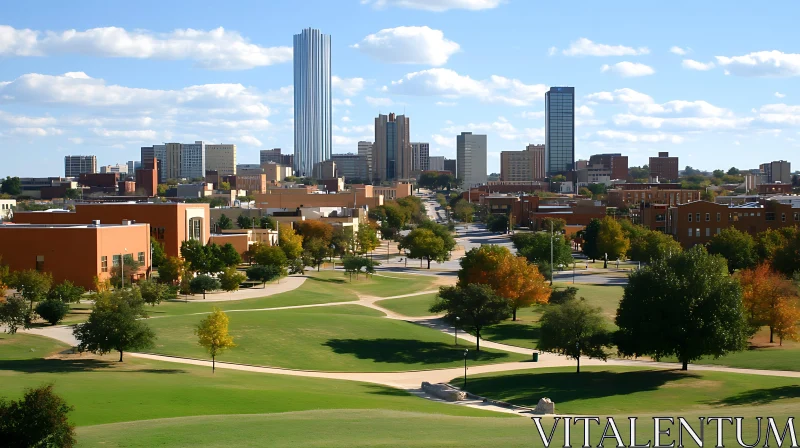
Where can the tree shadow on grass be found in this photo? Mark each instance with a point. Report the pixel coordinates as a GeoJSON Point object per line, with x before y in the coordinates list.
{"type": "Point", "coordinates": [54, 365]}
{"type": "Point", "coordinates": [377, 389]}
{"type": "Point", "coordinates": [562, 387]}
{"type": "Point", "coordinates": [407, 351]}
{"type": "Point", "coordinates": [760, 396]}
{"type": "Point", "coordinates": [338, 281]}
{"type": "Point", "coordinates": [511, 331]}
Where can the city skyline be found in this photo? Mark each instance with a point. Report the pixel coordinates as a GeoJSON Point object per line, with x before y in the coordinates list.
{"type": "Point", "coordinates": [641, 89]}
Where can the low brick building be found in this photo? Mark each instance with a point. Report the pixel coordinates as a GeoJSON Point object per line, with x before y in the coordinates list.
{"type": "Point", "coordinates": [630, 197]}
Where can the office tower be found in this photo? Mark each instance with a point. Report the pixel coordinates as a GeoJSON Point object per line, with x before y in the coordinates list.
{"type": "Point", "coordinates": [664, 167]}
{"type": "Point", "coordinates": [616, 163]}
{"type": "Point", "coordinates": [365, 150]}
{"type": "Point", "coordinates": [436, 163]}
{"type": "Point", "coordinates": [559, 129]}
{"type": "Point", "coordinates": [270, 155]}
{"type": "Point", "coordinates": [420, 152]}
{"type": "Point", "coordinates": [133, 165]}
{"type": "Point", "coordinates": [351, 166]}
{"type": "Point", "coordinates": [312, 100]}
{"type": "Point", "coordinates": [74, 166]}
{"type": "Point", "coordinates": [193, 160]}
{"type": "Point", "coordinates": [471, 159]}
{"type": "Point", "coordinates": [121, 169]}
{"type": "Point", "coordinates": [778, 171]}
{"type": "Point", "coordinates": [391, 152]}
{"type": "Point", "coordinates": [222, 159]}
{"type": "Point", "coordinates": [523, 166]}
{"type": "Point", "coordinates": [172, 163]}
{"type": "Point", "coordinates": [287, 160]}
{"type": "Point", "coordinates": [451, 165]}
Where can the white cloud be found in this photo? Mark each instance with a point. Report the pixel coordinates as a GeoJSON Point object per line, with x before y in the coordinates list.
{"type": "Point", "coordinates": [348, 86]}
{"type": "Point", "coordinates": [446, 103]}
{"type": "Point", "coordinates": [635, 138]}
{"type": "Point", "coordinates": [552, 51]}
{"type": "Point", "coordinates": [449, 84]}
{"type": "Point", "coordinates": [435, 5]}
{"type": "Point", "coordinates": [780, 114]}
{"type": "Point", "coordinates": [699, 123]}
{"type": "Point", "coordinates": [691, 64]}
{"type": "Point", "coordinates": [677, 50]}
{"type": "Point", "coordinates": [583, 111]}
{"type": "Point", "coordinates": [36, 132]}
{"type": "Point", "coordinates": [585, 47]}
{"type": "Point", "coordinates": [533, 115]}
{"type": "Point", "coordinates": [378, 102]}
{"type": "Point", "coordinates": [695, 108]}
{"type": "Point", "coordinates": [344, 102]}
{"type": "Point", "coordinates": [216, 49]}
{"type": "Point", "coordinates": [447, 142]}
{"type": "Point", "coordinates": [248, 140]}
{"type": "Point", "coordinates": [346, 119]}
{"type": "Point", "coordinates": [135, 135]}
{"type": "Point", "coordinates": [283, 95]}
{"type": "Point", "coordinates": [780, 95]}
{"type": "Point", "coordinates": [76, 140]}
{"type": "Point", "coordinates": [409, 45]}
{"type": "Point", "coordinates": [625, 95]}
{"type": "Point", "coordinates": [763, 64]}
{"type": "Point", "coordinates": [628, 69]}
{"type": "Point", "coordinates": [365, 129]}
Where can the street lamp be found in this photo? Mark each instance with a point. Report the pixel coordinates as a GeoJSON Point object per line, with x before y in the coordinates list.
{"type": "Point", "coordinates": [457, 319]}
{"type": "Point", "coordinates": [122, 268]}
{"type": "Point", "coordinates": [466, 351]}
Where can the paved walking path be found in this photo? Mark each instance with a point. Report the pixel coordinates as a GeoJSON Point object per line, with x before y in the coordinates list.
{"type": "Point", "coordinates": [284, 285]}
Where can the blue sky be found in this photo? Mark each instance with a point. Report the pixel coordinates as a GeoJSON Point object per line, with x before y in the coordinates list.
{"type": "Point", "coordinates": [714, 83]}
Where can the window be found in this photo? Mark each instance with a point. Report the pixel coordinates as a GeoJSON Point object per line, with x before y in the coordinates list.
{"type": "Point", "coordinates": [690, 231]}
{"type": "Point", "coordinates": [770, 216]}
{"type": "Point", "coordinates": [195, 229]}
{"type": "Point", "coordinates": [690, 217]}
{"type": "Point", "coordinates": [730, 216]}
{"type": "Point", "coordinates": [104, 264]}
{"type": "Point", "coordinates": [116, 260]}
{"type": "Point", "coordinates": [783, 217]}
{"type": "Point", "coordinates": [141, 257]}
{"type": "Point", "coordinates": [697, 232]}
{"type": "Point", "coordinates": [708, 217]}
{"type": "Point", "coordinates": [40, 263]}
{"type": "Point", "coordinates": [796, 216]}
{"type": "Point", "coordinates": [697, 216]}
{"type": "Point", "coordinates": [708, 231]}
{"type": "Point", "coordinates": [719, 216]}
{"type": "Point", "coordinates": [718, 231]}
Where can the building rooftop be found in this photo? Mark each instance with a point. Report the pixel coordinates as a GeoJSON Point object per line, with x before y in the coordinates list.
{"type": "Point", "coordinates": [11, 225]}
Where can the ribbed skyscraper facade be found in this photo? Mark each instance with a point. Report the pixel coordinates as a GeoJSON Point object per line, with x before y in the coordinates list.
{"type": "Point", "coordinates": [559, 130]}
{"type": "Point", "coordinates": [312, 100]}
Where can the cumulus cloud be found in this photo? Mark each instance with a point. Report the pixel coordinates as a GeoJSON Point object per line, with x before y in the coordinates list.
{"type": "Point", "coordinates": [635, 138]}
{"type": "Point", "coordinates": [435, 5]}
{"type": "Point", "coordinates": [217, 49]}
{"type": "Point", "coordinates": [762, 64]}
{"type": "Point", "coordinates": [691, 64]}
{"type": "Point", "coordinates": [446, 103]}
{"type": "Point", "coordinates": [133, 135]}
{"type": "Point", "coordinates": [678, 50]}
{"type": "Point", "coordinates": [780, 95]}
{"type": "Point", "coordinates": [441, 140]}
{"type": "Point", "coordinates": [585, 47]}
{"type": "Point", "coordinates": [628, 69]}
{"type": "Point", "coordinates": [780, 114]}
{"type": "Point", "coordinates": [696, 123]}
{"type": "Point", "coordinates": [625, 95]}
{"type": "Point", "coordinates": [348, 86]}
{"type": "Point", "coordinates": [378, 102]}
{"type": "Point", "coordinates": [248, 140]}
{"type": "Point", "coordinates": [409, 45]}
{"type": "Point", "coordinates": [583, 111]}
{"type": "Point", "coordinates": [448, 83]}
{"type": "Point", "coordinates": [344, 102]}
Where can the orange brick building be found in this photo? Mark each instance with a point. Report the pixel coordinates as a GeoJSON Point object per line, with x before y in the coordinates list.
{"type": "Point", "coordinates": [77, 253]}
{"type": "Point", "coordinates": [170, 223]}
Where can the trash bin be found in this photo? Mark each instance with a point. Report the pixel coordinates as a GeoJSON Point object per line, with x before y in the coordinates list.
{"type": "Point", "coordinates": [535, 357]}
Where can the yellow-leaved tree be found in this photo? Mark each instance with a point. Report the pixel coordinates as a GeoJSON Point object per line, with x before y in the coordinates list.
{"type": "Point", "coordinates": [612, 243]}
{"type": "Point", "coordinates": [772, 300]}
{"type": "Point", "coordinates": [212, 333]}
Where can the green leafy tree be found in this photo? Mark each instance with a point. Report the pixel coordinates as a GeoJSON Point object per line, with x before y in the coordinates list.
{"type": "Point", "coordinates": [38, 419]}
{"type": "Point", "coordinates": [560, 296]}
{"type": "Point", "coordinates": [229, 256]}
{"type": "Point", "coordinates": [356, 265]}
{"type": "Point", "coordinates": [424, 244]}
{"type": "Point", "coordinates": [115, 324]}
{"type": "Point", "coordinates": [475, 305]}
{"type": "Point", "coordinates": [202, 284]}
{"type": "Point", "coordinates": [442, 231]}
{"type": "Point", "coordinates": [366, 238]}
{"type": "Point", "coordinates": [244, 221]}
{"type": "Point", "coordinates": [769, 241]}
{"type": "Point", "coordinates": [264, 274]}
{"type": "Point", "coordinates": [685, 306]}
{"type": "Point", "coordinates": [15, 313]}
{"type": "Point", "coordinates": [535, 247]}
{"type": "Point", "coordinates": [611, 240]}
{"type": "Point", "coordinates": [66, 292]}
{"type": "Point", "coordinates": [464, 211]}
{"type": "Point", "coordinates": [290, 243]}
{"type": "Point", "coordinates": [317, 251]}
{"type": "Point", "coordinates": [32, 285]}
{"type": "Point", "coordinates": [786, 258]}
{"type": "Point", "coordinates": [230, 279]}
{"type": "Point", "coordinates": [11, 186]}
{"type": "Point", "coordinates": [224, 223]}
{"type": "Point", "coordinates": [170, 270]}
{"type": "Point", "coordinates": [126, 270]}
{"type": "Point", "coordinates": [343, 241]}
{"type": "Point", "coordinates": [225, 186]}
{"type": "Point", "coordinates": [159, 255]}
{"type": "Point", "coordinates": [558, 225]}
{"type": "Point", "coordinates": [497, 223]}
{"type": "Point", "coordinates": [589, 236]}
{"type": "Point", "coordinates": [574, 329]}
{"type": "Point", "coordinates": [52, 311]}
{"type": "Point", "coordinates": [267, 222]}
{"type": "Point", "coordinates": [269, 256]}
{"type": "Point", "coordinates": [195, 255]}
{"type": "Point", "coordinates": [737, 247]}
{"type": "Point", "coordinates": [154, 292]}
{"type": "Point", "coordinates": [651, 245]}
{"type": "Point", "coordinates": [212, 334]}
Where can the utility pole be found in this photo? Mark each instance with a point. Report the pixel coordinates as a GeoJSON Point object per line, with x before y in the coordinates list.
{"type": "Point", "coordinates": [551, 253]}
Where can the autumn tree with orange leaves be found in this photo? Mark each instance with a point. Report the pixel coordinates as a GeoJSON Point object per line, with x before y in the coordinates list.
{"type": "Point", "coordinates": [509, 276]}
{"type": "Point", "coordinates": [772, 300]}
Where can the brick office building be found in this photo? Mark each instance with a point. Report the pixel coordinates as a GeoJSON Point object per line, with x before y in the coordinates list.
{"type": "Point", "coordinates": [664, 167]}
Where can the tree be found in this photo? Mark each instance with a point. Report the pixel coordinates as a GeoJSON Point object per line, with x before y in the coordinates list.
{"type": "Point", "coordinates": [290, 243]}
{"type": "Point", "coordinates": [114, 324]}
{"type": "Point", "coordinates": [343, 241]}
{"type": "Point", "coordinates": [224, 223]}
{"type": "Point", "coordinates": [611, 240]}
{"type": "Point", "coordinates": [737, 247]}
{"type": "Point", "coordinates": [12, 186]}
{"type": "Point", "coordinates": [354, 265]}
{"type": "Point", "coordinates": [770, 299]}
{"type": "Point", "coordinates": [264, 273]}
{"type": "Point", "coordinates": [424, 244]}
{"type": "Point", "coordinates": [497, 223]}
{"type": "Point", "coordinates": [215, 258]}
{"type": "Point", "coordinates": [574, 329]}
{"type": "Point", "coordinates": [535, 247]}
{"type": "Point", "coordinates": [244, 221]}
{"type": "Point", "coordinates": [15, 313]}
{"type": "Point", "coordinates": [32, 285]}
{"type": "Point", "coordinates": [367, 238]}
{"type": "Point", "coordinates": [212, 334]}
{"type": "Point", "coordinates": [202, 284]}
{"type": "Point", "coordinates": [733, 171]}
{"type": "Point", "coordinates": [560, 296]}
{"type": "Point", "coordinates": [685, 306]}
{"type": "Point", "coordinates": [589, 247]}
{"type": "Point", "coordinates": [769, 241]}
{"type": "Point", "coordinates": [464, 211]}
{"type": "Point", "coordinates": [317, 250]}
{"type": "Point", "coordinates": [268, 256]}
{"type": "Point", "coordinates": [39, 419]}
{"type": "Point", "coordinates": [195, 255]}
{"type": "Point", "coordinates": [225, 186]}
{"type": "Point", "coordinates": [442, 231]}
{"type": "Point", "coordinates": [558, 225]}
{"type": "Point", "coordinates": [719, 174]}
{"type": "Point", "coordinates": [509, 276]}
{"type": "Point", "coordinates": [154, 292]}
{"type": "Point", "coordinates": [786, 259]}
{"type": "Point", "coordinates": [651, 245]}
{"type": "Point", "coordinates": [475, 305]}
{"type": "Point", "coordinates": [170, 270]}
{"type": "Point", "coordinates": [66, 292]}
{"type": "Point", "coordinates": [315, 229]}
{"type": "Point", "coordinates": [126, 270]}
{"type": "Point", "coordinates": [159, 256]}
{"type": "Point", "coordinates": [230, 279]}
{"type": "Point", "coordinates": [267, 223]}
{"type": "Point", "coordinates": [229, 256]}
{"type": "Point", "coordinates": [583, 191]}
{"type": "Point", "coordinates": [52, 311]}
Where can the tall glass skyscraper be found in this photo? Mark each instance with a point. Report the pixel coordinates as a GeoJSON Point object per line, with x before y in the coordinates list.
{"type": "Point", "coordinates": [559, 130]}
{"type": "Point", "coordinates": [312, 100]}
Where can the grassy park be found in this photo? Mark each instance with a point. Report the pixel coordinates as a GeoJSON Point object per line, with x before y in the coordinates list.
{"type": "Point", "coordinates": [412, 306]}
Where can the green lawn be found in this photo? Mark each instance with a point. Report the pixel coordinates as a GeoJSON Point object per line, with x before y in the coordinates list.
{"type": "Point", "coordinates": [525, 331]}
{"type": "Point", "coordinates": [601, 390]}
{"type": "Point", "coordinates": [105, 391]}
{"type": "Point", "coordinates": [381, 285]}
{"type": "Point", "coordinates": [332, 338]}
{"type": "Point", "coordinates": [413, 306]}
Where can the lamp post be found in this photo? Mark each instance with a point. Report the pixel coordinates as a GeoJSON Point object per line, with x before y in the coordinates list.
{"type": "Point", "coordinates": [551, 253]}
{"type": "Point", "coordinates": [466, 351]}
{"type": "Point", "coordinates": [122, 268]}
{"type": "Point", "coordinates": [457, 319]}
